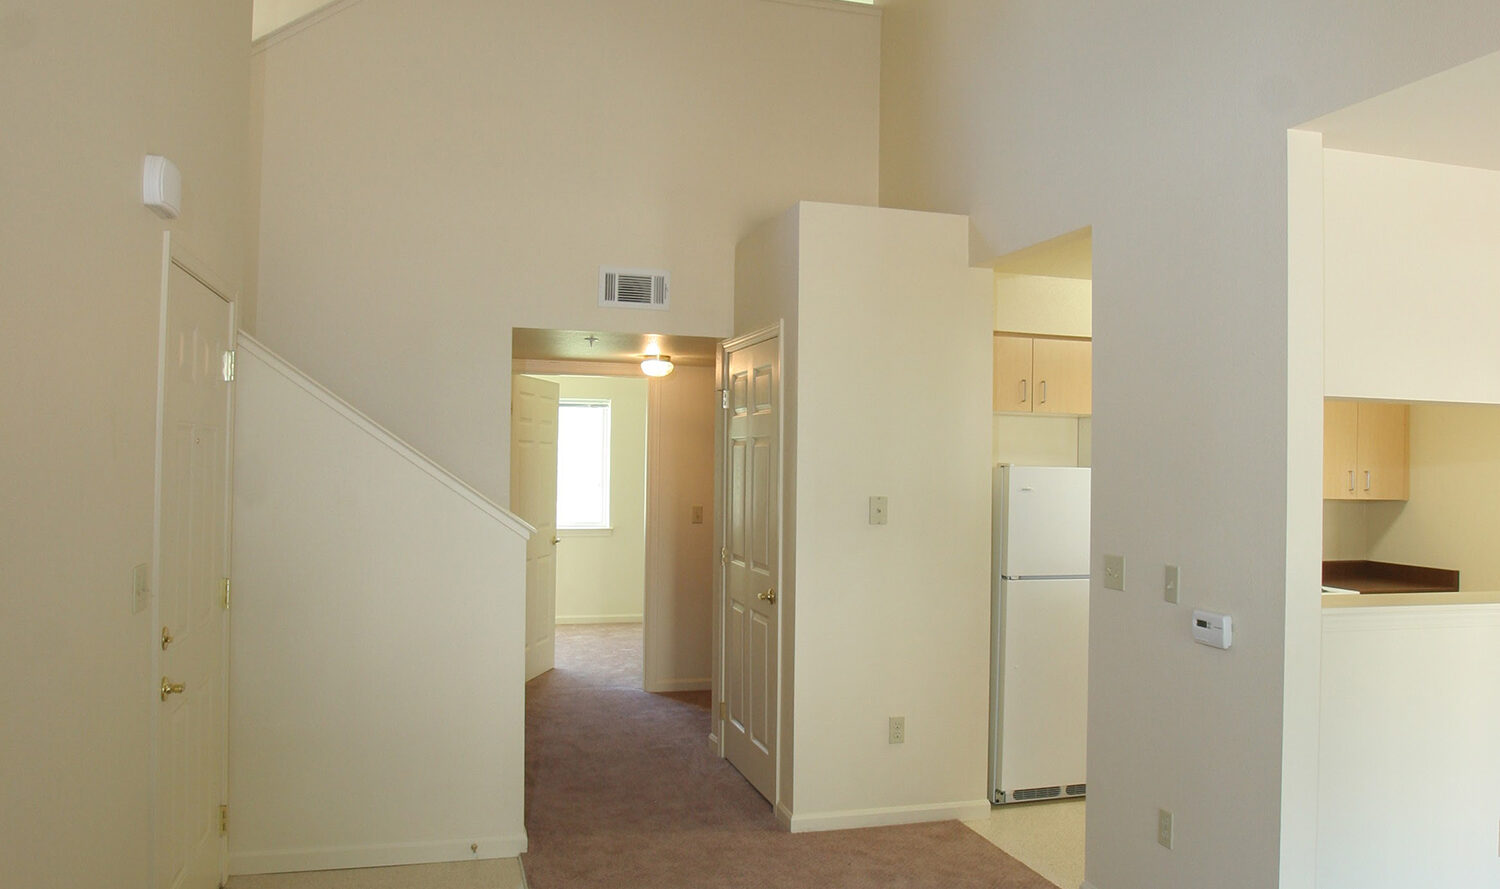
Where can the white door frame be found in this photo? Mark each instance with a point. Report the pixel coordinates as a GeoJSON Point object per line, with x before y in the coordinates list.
{"type": "Point", "coordinates": [721, 525]}
{"type": "Point", "coordinates": [175, 252]}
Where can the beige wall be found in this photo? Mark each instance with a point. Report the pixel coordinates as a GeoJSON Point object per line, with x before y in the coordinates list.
{"type": "Point", "coordinates": [376, 706]}
{"type": "Point", "coordinates": [1454, 510]}
{"type": "Point", "coordinates": [1164, 127]}
{"type": "Point", "coordinates": [893, 619]}
{"type": "Point", "coordinates": [681, 556]}
{"type": "Point", "coordinates": [601, 575]}
{"type": "Point", "coordinates": [1044, 304]}
{"type": "Point", "coordinates": [431, 181]}
{"type": "Point", "coordinates": [1412, 272]}
{"type": "Point", "coordinates": [90, 90]}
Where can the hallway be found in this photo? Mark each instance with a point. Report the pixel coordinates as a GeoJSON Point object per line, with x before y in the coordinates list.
{"type": "Point", "coordinates": [622, 790]}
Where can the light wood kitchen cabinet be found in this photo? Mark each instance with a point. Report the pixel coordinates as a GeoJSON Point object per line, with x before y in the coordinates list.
{"type": "Point", "coordinates": [1043, 375]}
{"type": "Point", "coordinates": [1365, 450]}
{"type": "Point", "coordinates": [1012, 373]}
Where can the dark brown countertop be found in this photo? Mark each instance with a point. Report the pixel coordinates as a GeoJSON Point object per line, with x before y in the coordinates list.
{"type": "Point", "coordinates": [1387, 577]}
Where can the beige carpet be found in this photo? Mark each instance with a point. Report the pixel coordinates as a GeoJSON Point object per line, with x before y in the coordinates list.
{"type": "Point", "coordinates": [622, 791]}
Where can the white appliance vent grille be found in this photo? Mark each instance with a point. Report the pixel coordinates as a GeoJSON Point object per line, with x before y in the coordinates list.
{"type": "Point", "coordinates": [1031, 793]}
{"type": "Point", "coordinates": [634, 288]}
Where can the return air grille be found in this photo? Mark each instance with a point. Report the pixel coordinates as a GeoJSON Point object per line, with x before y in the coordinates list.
{"type": "Point", "coordinates": [1031, 793]}
{"type": "Point", "coordinates": [633, 288]}
{"type": "Point", "coordinates": [1076, 789]}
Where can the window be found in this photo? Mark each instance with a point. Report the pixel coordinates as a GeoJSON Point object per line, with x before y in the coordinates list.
{"type": "Point", "coordinates": [583, 463]}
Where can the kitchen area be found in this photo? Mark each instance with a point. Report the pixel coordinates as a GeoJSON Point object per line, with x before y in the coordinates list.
{"type": "Point", "coordinates": [1406, 192]}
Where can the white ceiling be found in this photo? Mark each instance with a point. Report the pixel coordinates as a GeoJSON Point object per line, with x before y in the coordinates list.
{"type": "Point", "coordinates": [573, 345]}
{"type": "Point", "coordinates": [1449, 118]}
{"type": "Point", "coordinates": [1065, 256]}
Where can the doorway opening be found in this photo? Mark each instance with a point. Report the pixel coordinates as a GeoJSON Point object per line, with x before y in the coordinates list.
{"type": "Point", "coordinates": [634, 529]}
{"type": "Point", "coordinates": [1041, 444]}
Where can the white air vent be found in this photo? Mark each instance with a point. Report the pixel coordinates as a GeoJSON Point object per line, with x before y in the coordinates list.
{"type": "Point", "coordinates": [633, 288]}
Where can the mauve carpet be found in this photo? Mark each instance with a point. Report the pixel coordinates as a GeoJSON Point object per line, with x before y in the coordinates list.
{"type": "Point", "coordinates": [622, 791]}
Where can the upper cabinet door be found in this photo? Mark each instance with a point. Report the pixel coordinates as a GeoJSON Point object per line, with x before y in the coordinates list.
{"type": "Point", "coordinates": [1340, 449]}
{"type": "Point", "coordinates": [1383, 472]}
{"type": "Point", "coordinates": [1012, 373]}
{"type": "Point", "coordinates": [1063, 371]}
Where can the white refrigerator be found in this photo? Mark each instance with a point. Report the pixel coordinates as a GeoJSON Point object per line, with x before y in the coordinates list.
{"type": "Point", "coordinates": [1039, 633]}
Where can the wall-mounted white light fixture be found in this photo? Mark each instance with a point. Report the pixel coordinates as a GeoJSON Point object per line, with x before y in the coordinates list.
{"type": "Point", "coordinates": [161, 187]}
{"type": "Point", "coordinates": [657, 365]}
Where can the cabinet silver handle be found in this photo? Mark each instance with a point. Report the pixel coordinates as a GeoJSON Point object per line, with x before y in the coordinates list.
{"type": "Point", "coordinates": [1351, 481]}
{"type": "Point", "coordinates": [1367, 479]}
{"type": "Point", "coordinates": [1044, 392]}
{"type": "Point", "coordinates": [1023, 391]}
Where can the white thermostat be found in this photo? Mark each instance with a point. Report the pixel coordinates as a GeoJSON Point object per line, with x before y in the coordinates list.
{"type": "Point", "coordinates": [1212, 629]}
{"type": "Point", "coordinates": [161, 187]}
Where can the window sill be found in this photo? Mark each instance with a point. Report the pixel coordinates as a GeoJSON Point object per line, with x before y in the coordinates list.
{"type": "Point", "coordinates": [585, 532]}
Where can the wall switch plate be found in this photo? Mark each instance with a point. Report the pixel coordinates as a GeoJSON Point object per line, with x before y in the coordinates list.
{"type": "Point", "coordinates": [1114, 573]}
{"type": "Point", "coordinates": [897, 730]}
{"type": "Point", "coordinates": [140, 582]}
{"type": "Point", "coordinates": [1213, 629]}
{"type": "Point", "coordinates": [878, 510]}
{"type": "Point", "coordinates": [697, 515]}
{"type": "Point", "coordinates": [1171, 588]}
{"type": "Point", "coordinates": [1164, 827]}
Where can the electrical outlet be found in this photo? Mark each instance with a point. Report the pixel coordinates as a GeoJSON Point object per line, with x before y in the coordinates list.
{"type": "Point", "coordinates": [697, 515]}
{"type": "Point", "coordinates": [140, 583]}
{"type": "Point", "coordinates": [1114, 573]}
{"type": "Point", "coordinates": [878, 510]}
{"type": "Point", "coordinates": [897, 729]}
{"type": "Point", "coordinates": [1164, 827]}
{"type": "Point", "coordinates": [1171, 589]}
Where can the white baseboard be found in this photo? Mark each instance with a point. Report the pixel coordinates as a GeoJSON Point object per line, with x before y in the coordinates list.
{"type": "Point", "coordinates": [340, 857]}
{"type": "Point", "coordinates": [599, 619]}
{"type": "Point", "coordinates": [849, 818]}
{"type": "Point", "coordinates": [783, 816]}
{"type": "Point", "coordinates": [680, 685]}
{"type": "Point", "coordinates": [713, 743]}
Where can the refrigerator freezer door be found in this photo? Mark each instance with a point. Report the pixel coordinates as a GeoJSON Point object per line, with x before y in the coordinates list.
{"type": "Point", "coordinates": [1043, 686]}
{"type": "Point", "coordinates": [1045, 510]}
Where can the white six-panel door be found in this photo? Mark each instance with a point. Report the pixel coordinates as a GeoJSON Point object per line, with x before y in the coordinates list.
{"type": "Point", "coordinates": [193, 544]}
{"type": "Point", "coordinates": [533, 497]}
{"type": "Point", "coordinates": [753, 524]}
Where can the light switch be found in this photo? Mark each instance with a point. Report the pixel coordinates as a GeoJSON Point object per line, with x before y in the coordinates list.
{"type": "Point", "coordinates": [878, 510]}
{"type": "Point", "coordinates": [1114, 573]}
{"type": "Point", "coordinates": [697, 515]}
{"type": "Point", "coordinates": [1170, 588]}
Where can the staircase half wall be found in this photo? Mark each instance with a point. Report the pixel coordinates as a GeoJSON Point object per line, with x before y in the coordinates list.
{"type": "Point", "coordinates": [376, 643]}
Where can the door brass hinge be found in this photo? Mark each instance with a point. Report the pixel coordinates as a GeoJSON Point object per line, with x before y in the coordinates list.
{"type": "Point", "coordinates": [724, 555]}
{"type": "Point", "coordinates": [723, 712]}
{"type": "Point", "coordinates": [224, 585]}
{"type": "Point", "coordinates": [724, 399]}
{"type": "Point", "coordinates": [223, 820]}
{"type": "Point", "coordinates": [229, 366]}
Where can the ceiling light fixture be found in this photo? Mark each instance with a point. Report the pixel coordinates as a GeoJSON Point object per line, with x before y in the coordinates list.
{"type": "Point", "coordinates": [657, 365]}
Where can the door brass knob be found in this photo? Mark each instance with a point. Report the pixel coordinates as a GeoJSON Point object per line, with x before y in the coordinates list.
{"type": "Point", "coordinates": [168, 687]}
{"type": "Point", "coordinates": [556, 541]}
{"type": "Point", "coordinates": [166, 638]}
{"type": "Point", "coordinates": [768, 596]}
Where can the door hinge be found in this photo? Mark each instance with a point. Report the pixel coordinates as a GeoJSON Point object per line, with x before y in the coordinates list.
{"type": "Point", "coordinates": [723, 711]}
{"type": "Point", "coordinates": [223, 820]}
{"type": "Point", "coordinates": [224, 587]}
{"type": "Point", "coordinates": [724, 555]}
{"type": "Point", "coordinates": [724, 399]}
{"type": "Point", "coordinates": [229, 366]}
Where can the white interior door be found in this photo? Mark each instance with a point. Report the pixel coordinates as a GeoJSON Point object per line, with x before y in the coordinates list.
{"type": "Point", "coordinates": [533, 497]}
{"type": "Point", "coordinates": [192, 540]}
{"type": "Point", "coordinates": [753, 523]}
